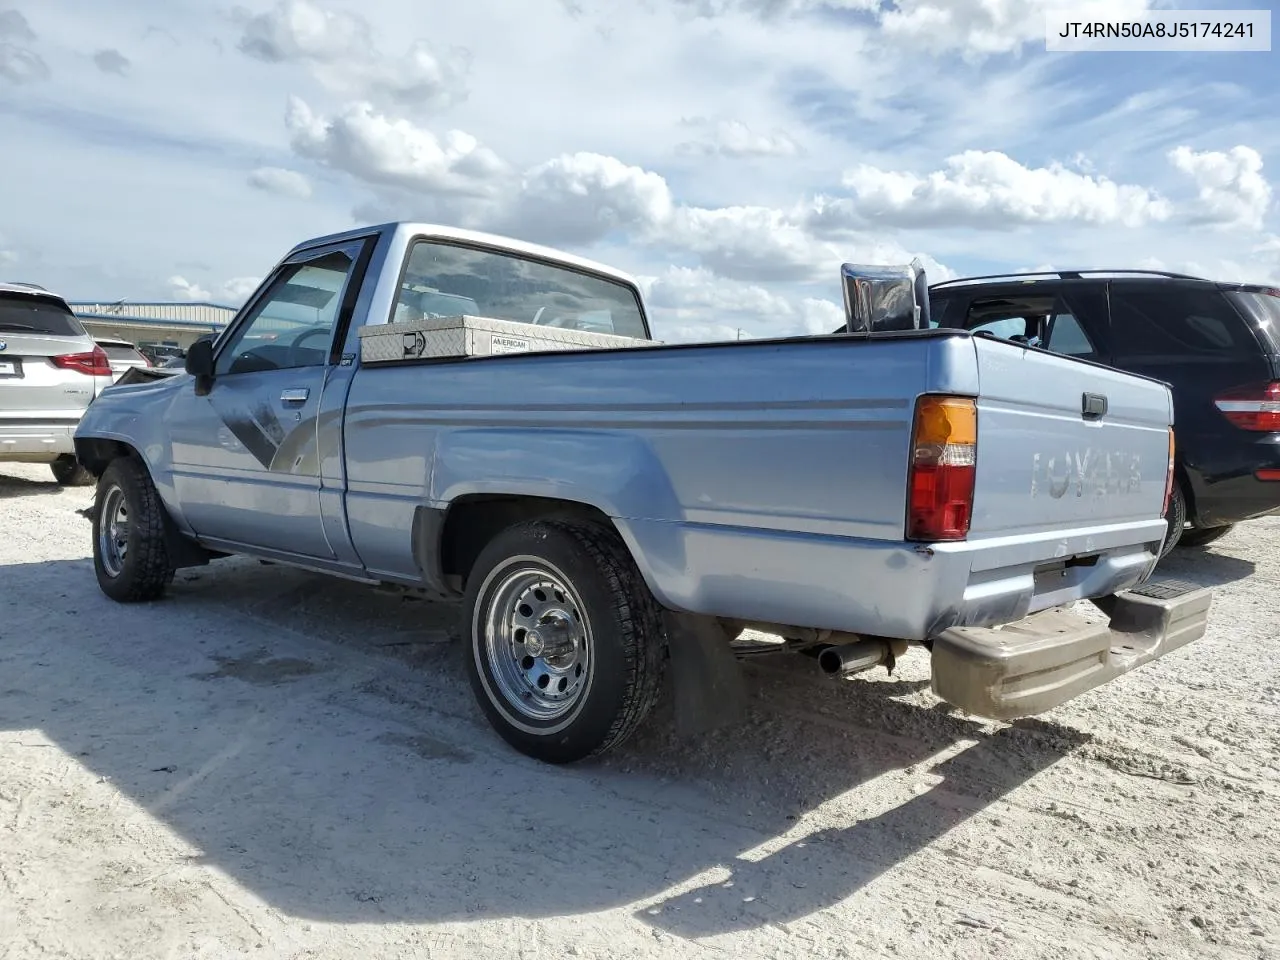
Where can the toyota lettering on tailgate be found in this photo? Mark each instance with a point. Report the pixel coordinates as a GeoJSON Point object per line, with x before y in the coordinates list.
{"type": "Point", "coordinates": [1090, 472]}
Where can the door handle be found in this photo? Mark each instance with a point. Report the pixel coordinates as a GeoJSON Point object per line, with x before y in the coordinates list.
{"type": "Point", "coordinates": [294, 395]}
{"type": "Point", "coordinates": [1093, 406]}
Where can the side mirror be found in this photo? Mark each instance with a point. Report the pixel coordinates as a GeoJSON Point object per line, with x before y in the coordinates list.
{"type": "Point", "coordinates": [199, 363]}
{"type": "Point", "coordinates": [879, 298]}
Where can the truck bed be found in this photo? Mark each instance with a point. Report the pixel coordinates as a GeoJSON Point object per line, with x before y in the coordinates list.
{"type": "Point", "coordinates": [765, 480]}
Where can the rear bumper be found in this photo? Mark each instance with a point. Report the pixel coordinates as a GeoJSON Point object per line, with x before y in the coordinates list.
{"type": "Point", "coordinates": [1235, 500]}
{"type": "Point", "coordinates": [1038, 663]}
{"type": "Point", "coordinates": [36, 442]}
{"type": "Point", "coordinates": [1224, 483]}
{"type": "Point", "coordinates": [885, 588]}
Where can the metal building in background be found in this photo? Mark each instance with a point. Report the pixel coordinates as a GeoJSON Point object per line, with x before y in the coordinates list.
{"type": "Point", "coordinates": [159, 328]}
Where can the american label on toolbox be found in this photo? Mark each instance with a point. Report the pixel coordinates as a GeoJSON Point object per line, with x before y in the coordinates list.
{"type": "Point", "coordinates": [499, 344]}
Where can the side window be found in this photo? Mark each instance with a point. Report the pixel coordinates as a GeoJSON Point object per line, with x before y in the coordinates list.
{"type": "Point", "coordinates": [1047, 322]}
{"type": "Point", "coordinates": [938, 311]}
{"type": "Point", "coordinates": [1066, 336]}
{"type": "Point", "coordinates": [446, 280]}
{"type": "Point", "coordinates": [1159, 320]}
{"type": "Point", "coordinates": [292, 324]}
{"type": "Point", "coordinates": [1020, 319]}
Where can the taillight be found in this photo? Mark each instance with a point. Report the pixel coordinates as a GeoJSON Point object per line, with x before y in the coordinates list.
{"type": "Point", "coordinates": [1168, 480]}
{"type": "Point", "coordinates": [94, 363]}
{"type": "Point", "coordinates": [1252, 408]}
{"type": "Point", "coordinates": [944, 446]}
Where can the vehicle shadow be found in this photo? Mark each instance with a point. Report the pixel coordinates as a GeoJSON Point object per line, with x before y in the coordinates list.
{"type": "Point", "coordinates": [1204, 567]}
{"type": "Point", "coordinates": [249, 714]}
{"type": "Point", "coordinates": [11, 486]}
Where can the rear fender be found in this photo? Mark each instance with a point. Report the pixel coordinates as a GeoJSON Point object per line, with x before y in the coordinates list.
{"type": "Point", "coordinates": [618, 474]}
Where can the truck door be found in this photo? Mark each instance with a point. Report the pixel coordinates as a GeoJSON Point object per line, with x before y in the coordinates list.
{"type": "Point", "coordinates": [246, 458]}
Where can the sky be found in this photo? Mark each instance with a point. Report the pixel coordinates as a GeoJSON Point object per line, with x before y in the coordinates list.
{"type": "Point", "coordinates": [730, 154]}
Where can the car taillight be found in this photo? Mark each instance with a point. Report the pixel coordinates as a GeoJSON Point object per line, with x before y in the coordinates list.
{"type": "Point", "coordinates": [93, 364]}
{"type": "Point", "coordinates": [1252, 408]}
{"type": "Point", "coordinates": [1168, 479]}
{"type": "Point", "coordinates": [944, 446]}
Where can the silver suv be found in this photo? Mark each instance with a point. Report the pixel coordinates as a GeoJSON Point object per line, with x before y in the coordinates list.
{"type": "Point", "coordinates": [50, 371]}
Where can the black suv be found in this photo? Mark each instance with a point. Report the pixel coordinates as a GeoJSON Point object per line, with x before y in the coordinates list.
{"type": "Point", "coordinates": [1217, 345]}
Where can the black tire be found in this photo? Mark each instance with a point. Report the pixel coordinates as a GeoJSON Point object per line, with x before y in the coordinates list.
{"type": "Point", "coordinates": [143, 570]}
{"type": "Point", "coordinates": [69, 473]}
{"type": "Point", "coordinates": [592, 598]}
{"type": "Point", "coordinates": [1203, 536]}
{"type": "Point", "coordinates": [1176, 516]}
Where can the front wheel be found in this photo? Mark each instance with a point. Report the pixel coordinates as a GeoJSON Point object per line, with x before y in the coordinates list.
{"type": "Point", "coordinates": [130, 553]}
{"type": "Point", "coordinates": [564, 639]}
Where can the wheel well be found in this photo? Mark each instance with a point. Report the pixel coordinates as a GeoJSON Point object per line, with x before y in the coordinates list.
{"type": "Point", "coordinates": [471, 522]}
{"type": "Point", "coordinates": [94, 454]}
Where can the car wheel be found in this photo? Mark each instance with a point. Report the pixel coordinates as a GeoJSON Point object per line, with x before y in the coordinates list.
{"type": "Point", "coordinates": [564, 639]}
{"type": "Point", "coordinates": [69, 473]}
{"type": "Point", "coordinates": [1202, 536]}
{"type": "Point", "coordinates": [1176, 516]}
{"type": "Point", "coordinates": [130, 553]}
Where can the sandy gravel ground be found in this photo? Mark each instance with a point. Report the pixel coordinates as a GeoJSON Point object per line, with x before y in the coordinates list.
{"type": "Point", "coordinates": [275, 764]}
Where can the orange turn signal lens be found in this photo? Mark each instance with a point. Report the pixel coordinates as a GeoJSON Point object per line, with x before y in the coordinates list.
{"type": "Point", "coordinates": [946, 420]}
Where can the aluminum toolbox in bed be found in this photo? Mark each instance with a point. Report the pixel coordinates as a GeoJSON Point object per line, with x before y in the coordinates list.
{"type": "Point", "coordinates": [467, 336]}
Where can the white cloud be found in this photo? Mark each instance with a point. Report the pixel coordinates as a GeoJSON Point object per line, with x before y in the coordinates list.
{"type": "Point", "coordinates": [20, 65]}
{"type": "Point", "coordinates": [184, 289]}
{"type": "Point", "coordinates": [694, 305]}
{"type": "Point", "coordinates": [339, 48]}
{"type": "Point", "coordinates": [236, 290]}
{"type": "Point", "coordinates": [987, 189]}
{"type": "Point", "coordinates": [1232, 189]}
{"type": "Point", "coordinates": [752, 243]}
{"type": "Point", "coordinates": [286, 183]}
{"type": "Point", "coordinates": [580, 198]}
{"type": "Point", "coordinates": [772, 9]}
{"type": "Point", "coordinates": [8, 258]}
{"type": "Point", "coordinates": [733, 138]}
{"type": "Point", "coordinates": [981, 28]}
{"type": "Point", "coordinates": [395, 152]}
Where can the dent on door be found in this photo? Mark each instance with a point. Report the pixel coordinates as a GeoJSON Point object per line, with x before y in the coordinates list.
{"type": "Point", "coordinates": [281, 444]}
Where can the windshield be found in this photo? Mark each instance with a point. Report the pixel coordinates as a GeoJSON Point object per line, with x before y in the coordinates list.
{"type": "Point", "coordinates": [24, 314]}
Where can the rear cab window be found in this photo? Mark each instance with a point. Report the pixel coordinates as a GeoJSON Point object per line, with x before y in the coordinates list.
{"type": "Point", "coordinates": [447, 280]}
{"type": "Point", "coordinates": [24, 313]}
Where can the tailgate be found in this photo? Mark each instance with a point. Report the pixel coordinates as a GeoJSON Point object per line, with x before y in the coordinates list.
{"type": "Point", "coordinates": [32, 387]}
{"type": "Point", "coordinates": [1066, 446]}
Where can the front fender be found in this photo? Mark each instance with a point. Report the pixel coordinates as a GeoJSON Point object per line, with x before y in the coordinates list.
{"type": "Point", "coordinates": [133, 415]}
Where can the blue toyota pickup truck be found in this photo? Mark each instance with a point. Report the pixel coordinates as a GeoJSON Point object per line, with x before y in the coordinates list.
{"type": "Point", "coordinates": [605, 507]}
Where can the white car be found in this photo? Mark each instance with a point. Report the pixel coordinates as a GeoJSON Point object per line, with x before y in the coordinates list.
{"type": "Point", "coordinates": [50, 371]}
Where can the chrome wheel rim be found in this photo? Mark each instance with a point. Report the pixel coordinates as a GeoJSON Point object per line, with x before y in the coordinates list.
{"type": "Point", "coordinates": [536, 643]}
{"type": "Point", "coordinates": [113, 532]}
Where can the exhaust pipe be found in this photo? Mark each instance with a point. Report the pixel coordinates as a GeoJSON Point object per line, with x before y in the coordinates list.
{"type": "Point", "coordinates": [851, 658]}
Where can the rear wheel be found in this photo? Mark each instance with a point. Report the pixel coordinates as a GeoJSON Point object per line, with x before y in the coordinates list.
{"type": "Point", "coordinates": [1176, 516]}
{"type": "Point", "coordinates": [1202, 536]}
{"type": "Point", "coordinates": [564, 639]}
{"type": "Point", "coordinates": [69, 473]}
{"type": "Point", "coordinates": [130, 553]}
